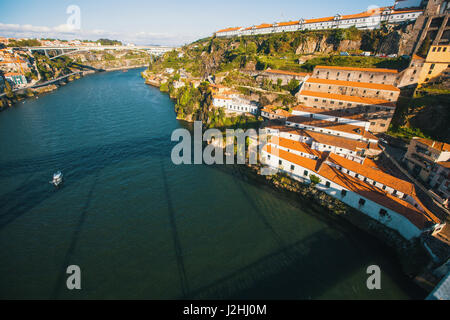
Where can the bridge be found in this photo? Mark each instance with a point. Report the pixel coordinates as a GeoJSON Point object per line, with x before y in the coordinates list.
{"type": "Point", "coordinates": [67, 50]}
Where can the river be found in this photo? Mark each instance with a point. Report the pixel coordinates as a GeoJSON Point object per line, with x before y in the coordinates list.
{"type": "Point", "coordinates": [140, 227]}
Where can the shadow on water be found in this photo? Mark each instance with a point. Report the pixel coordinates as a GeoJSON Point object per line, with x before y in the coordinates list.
{"type": "Point", "coordinates": [75, 165]}
{"type": "Point", "coordinates": [176, 239]}
{"type": "Point", "coordinates": [70, 252]}
{"type": "Point", "coordinates": [297, 271]}
{"type": "Point", "coordinates": [296, 274]}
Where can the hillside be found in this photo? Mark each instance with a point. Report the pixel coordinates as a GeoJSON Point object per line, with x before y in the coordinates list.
{"type": "Point", "coordinates": [235, 61]}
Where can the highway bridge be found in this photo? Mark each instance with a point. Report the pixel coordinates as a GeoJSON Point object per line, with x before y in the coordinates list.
{"type": "Point", "coordinates": [67, 50]}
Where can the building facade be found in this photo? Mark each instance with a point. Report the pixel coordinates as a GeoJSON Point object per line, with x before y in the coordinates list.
{"type": "Point", "coordinates": [423, 158]}
{"type": "Point", "coordinates": [371, 19]}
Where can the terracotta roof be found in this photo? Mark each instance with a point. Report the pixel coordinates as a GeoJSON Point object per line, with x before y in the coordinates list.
{"type": "Point", "coordinates": [335, 96]}
{"type": "Point", "coordinates": [436, 145]}
{"type": "Point", "coordinates": [289, 23]}
{"type": "Point", "coordinates": [341, 142]}
{"type": "Point", "coordinates": [359, 69]}
{"type": "Point", "coordinates": [354, 84]}
{"type": "Point", "coordinates": [291, 73]}
{"type": "Point", "coordinates": [327, 125]}
{"type": "Point", "coordinates": [407, 11]}
{"type": "Point", "coordinates": [264, 25]}
{"type": "Point", "coordinates": [366, 190]}
{"type": "Point", "coordinates": [295, 145]}
{"type": "Point", "coordinates": [374, 174]}
{"type": "Point", "coordinates": [229, 29]}
{"type": "Point", "coordinates": [10, 74]}
{"type": "Point", "coordinates": [445, 164]}
{"type": "Point", "coordinates": [276, 110]}
{"type": "Point", "coordinates": [333, 113]}
{"type": "Point", "coordinates": [416, 57]}
{"type": "Point", "coordinates": [326, 19]}
{"type": "Point", "coordinates": [221, 97]}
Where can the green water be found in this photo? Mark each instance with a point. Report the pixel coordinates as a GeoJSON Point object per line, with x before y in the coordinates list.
{"type": "Point", "coordinates": [140, 227]}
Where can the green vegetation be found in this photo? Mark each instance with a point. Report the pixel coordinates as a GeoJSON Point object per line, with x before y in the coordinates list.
{"type": "Point", "coordinates": [24, 43]}
{"type": "Point", "coordinates": [315, 180]}
{"type": "Point", "coordinates": [425, 115]}
{"type": "Point", "coordinates": [50, 69]}
{"type": "Point", "coordinates": [361, 62]}
{"type": "Point", "coordinates": [107, 42]}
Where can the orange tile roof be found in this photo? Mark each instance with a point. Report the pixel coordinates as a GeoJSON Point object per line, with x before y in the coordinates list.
{"type": "Point", "coordinates": [295, 145]}
{"type": "Point", "coordinates": [407, 11]}
{"type": "Point", "coordinates": [334, 113]}
{"type": "Point", "coordinates": [414, 215]}
{"type": "Point", "coordinates": [341, 142]}
{"type": "Point", "coordinates": [359, 69]}
{"type": "Point", "coordinates": [436, 145]}
{"type": "Point", "coordinates": [264, 25]}
{"type": "Point", "coordinates": [322, 138]}
{"type": "Point", "coordinates": [445, 164]}
{"type": "Point", "coordinates": [277, 111]}
{"type": "Point", "coordinates": [10, 74]}
{"type": "Point", "coordinates": [229, 29]}
{"type": "Point", "coordinates": [327, 125]}
{"type": "Point", "coordinates": [354, 84]}
{"type": "Point", "coordinates": [289, 23]}
{"type": "Point", "coordinates": [221, 97]}
{"type": "Point", "coordinates": [291, 73]}
{"type": "Point", "coordinates": [335, 96]}
{"type": "Point", "coordinates": [374, 174]}
{"type": "Point", "coordinates": [416, 57]}
{"type": "Point", "coordinates": [326, 19]}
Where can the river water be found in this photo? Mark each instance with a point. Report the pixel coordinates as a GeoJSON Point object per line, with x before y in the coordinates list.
{"type": "Point", "coordinates": [140, 227]}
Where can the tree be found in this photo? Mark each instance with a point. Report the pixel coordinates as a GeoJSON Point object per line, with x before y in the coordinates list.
{"type": "Point", "coordinates": [293, 86]}
{"type": "Point", "coordinates": [315, 180]}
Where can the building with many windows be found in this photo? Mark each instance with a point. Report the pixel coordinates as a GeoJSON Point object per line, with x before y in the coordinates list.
{"type": "Point", "coordinates": [370, 19]}
{"type": "Point", "coordinates": [390, 201]}
{"type": "Point", "coordinates": [429, 161]}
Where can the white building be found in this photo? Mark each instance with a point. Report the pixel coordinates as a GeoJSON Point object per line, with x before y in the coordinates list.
{"type": "Point", "coordinates": [332, 128]}
{"type": "Point", "coordinates": [234, 103]}
{"type": "Point", "coordinates": [371, 19]}
{"type": "Point", "coordinates": [331, 116]}
{"type": "Point", "coordinates": [392, 211]}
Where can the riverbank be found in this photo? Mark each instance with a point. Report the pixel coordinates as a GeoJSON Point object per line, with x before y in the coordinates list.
{"type": "Point", "coordinates": [28, 93]}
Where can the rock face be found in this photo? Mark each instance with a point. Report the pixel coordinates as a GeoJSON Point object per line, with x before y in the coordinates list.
{"type": "Point", "coordinates": [348, 45]}
{"type": "Point", "coordinates": [312, 45]}
{"type": "Point", "coordinates": [325, 45]}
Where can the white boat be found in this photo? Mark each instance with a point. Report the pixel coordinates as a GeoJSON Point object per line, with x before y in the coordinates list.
{"type": "Point", "coordinates": [57, 179]}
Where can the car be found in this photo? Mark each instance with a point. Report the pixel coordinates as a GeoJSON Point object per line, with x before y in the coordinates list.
{"type": "Point", "coordinates": [344, 54]}
{"type": "Point", "coordinates": [384, 141]}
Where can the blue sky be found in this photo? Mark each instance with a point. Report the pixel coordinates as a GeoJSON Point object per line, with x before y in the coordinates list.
{"type": "Point", "coordinates": [166, 22]}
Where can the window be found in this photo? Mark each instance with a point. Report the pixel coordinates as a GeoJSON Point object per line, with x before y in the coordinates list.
{"type": "Point", "coordinates": [292, 168]}
{"type": "Point", "coordinates": [362, 202]}
{"type": "Point", "coordinates": [343, 193]}
{"type": "Point", "coordinates": [328, 184]}
{"type": "Point", "coordinates": [280, 162]}
{"type": "Point", "coordinates": [305, 173]}
{"type": "Point", "coordinates": [383, 213]}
